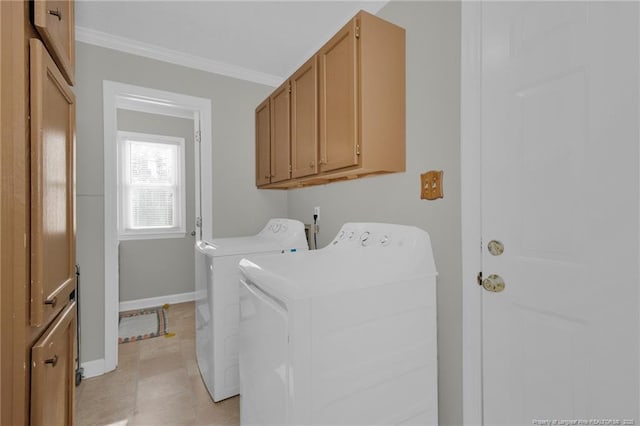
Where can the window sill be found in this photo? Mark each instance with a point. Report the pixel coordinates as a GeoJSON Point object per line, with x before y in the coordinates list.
{"type": "Point", "coordinates": [152, 236]}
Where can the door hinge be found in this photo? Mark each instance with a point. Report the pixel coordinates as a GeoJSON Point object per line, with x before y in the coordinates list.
{"type": "Point", "coordinates": [358, 149]}
{"type": "Point", "coordinates": [479, 278]}
{"type": "Point", "coordinates": [199, 222]}
{"type": "Point", "coordinates": [357, 31]}
{"type": "Point", "coordinates": [290, 170]}
{"type": "Point", "coordinates": [198, 136]}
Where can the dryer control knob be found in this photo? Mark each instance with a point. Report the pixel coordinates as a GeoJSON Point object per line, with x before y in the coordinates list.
{"type": "Point", "coordinates": [385, 240]}
{"type": "Point", "coordinates": [364, 238]}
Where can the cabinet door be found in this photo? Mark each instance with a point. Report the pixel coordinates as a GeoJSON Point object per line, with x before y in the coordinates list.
{"type": "Point", "coordinates": [53, 372]}
{"type": "Point", "coordinates": [55, 22]}
{"type": "Point", "coordinates": [304, 120]}
{"type": "Point", "coordinates": [52, 187]}
{"type": "Point", "coordinates": [280, 134]}
{"type": "Point", "coordinates": [263, 144]}
{"type": "Point", "coordinates": [338, 101]}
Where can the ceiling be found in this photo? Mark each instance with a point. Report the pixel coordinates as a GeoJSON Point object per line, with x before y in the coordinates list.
{"type": "Point", "coordinates": [263, 41]}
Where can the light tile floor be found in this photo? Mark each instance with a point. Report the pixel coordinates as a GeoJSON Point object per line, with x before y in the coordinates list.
{"type": "Point", "coordinates": [157, 382]}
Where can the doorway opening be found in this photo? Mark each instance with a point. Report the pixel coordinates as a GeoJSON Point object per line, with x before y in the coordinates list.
{"type": "Point", "coordinates": [120, 96]}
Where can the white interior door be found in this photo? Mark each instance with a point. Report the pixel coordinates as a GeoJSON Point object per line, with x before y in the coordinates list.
{"type": "Point", "coordinates": [560, 192]}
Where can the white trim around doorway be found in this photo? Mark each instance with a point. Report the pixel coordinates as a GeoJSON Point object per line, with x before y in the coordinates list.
{"type": "Point", "coordinates": [471, 206]}
{"type": "Point", "coordinates": [142, 99]}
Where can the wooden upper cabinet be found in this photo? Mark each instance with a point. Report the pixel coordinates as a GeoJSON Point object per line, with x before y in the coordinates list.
{"type": "Point", "coordinates": [382, 95]}
{"type": "Point", "coordinates": [348, 108]}
{"type": "Point", "coordinates": [304, 120]}
{"type": "Point", "coordinates": [338, 100]}
{"type": "Point", "coordinates": [55, 22]}
{"type": "Point", "coordinates": [52, 187]}
{"type": "Point", "coordinates": [280, 134]}
{"type": "Point", "coordinates": [263, 144]}
{"type": "Point", "coordinates": [53, 372]}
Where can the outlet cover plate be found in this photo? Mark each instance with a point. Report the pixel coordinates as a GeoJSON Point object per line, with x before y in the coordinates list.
{"type": "Point", "coordinates": [431, 185]}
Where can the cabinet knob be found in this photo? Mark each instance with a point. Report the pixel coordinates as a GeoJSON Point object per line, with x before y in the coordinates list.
{"type": "Point", "coordinates": [56, 13]}
{"type": "Point", "coordinates": [53, 301]}
{"type": "Point", "coordinates": [266, 176]}
{"type": "Point", "coordinates": [53, 361]}
{"type": "Point", "coordinates": [311, 164]}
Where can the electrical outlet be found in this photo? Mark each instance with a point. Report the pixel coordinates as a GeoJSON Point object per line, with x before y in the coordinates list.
{"type": "Point", "coordinates": [316, 212]}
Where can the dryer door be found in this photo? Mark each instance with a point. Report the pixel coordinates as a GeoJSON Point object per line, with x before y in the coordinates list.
{"type": "Point", "coordinates": [264, 360]}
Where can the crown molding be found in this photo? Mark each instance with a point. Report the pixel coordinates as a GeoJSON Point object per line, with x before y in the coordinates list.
{"type": "Point", "coordinates": [123, 44]}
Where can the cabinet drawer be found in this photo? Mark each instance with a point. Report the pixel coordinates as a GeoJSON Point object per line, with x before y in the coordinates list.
{"type": "Point", "coordinates": [55, 22]}
{"type": "Point", "coordinates": [52, 187]}
{"type": "Point", "coordinates": [52, 372]}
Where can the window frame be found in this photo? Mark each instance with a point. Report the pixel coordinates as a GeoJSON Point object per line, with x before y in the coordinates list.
{"type": "Point", "coordinates": [127, 233]}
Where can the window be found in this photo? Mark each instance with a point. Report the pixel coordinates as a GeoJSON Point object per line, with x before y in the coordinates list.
{"type": "Point", "coordinates": [151, 187]}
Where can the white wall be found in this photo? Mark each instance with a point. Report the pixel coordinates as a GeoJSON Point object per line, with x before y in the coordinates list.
{"type": "Point", "coordinates": [238, 207]}
{"type": "Point", "coordinates": [433, 143]}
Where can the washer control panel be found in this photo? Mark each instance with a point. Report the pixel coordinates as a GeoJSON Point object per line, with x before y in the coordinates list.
{"type": "Point", "coordinates": [362, 235]}
{"type": "Point", "coordinates": [287, 232]}
{"type": "Point", "coordinates": [278, 226]}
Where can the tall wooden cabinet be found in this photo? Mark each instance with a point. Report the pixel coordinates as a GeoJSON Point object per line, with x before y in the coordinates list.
{"type": "Point", "coordinates": [37, 212]}
{"type": "Point", "coordinates": [52, 187]}
{"type": "Point", "coordinates": [348, 107]}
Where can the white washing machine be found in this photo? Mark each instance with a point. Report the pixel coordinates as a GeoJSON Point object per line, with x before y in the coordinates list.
{"type": "Point", "coordinates": [344, 335]}
{"type": "Point", "coordinates": [217, 300]}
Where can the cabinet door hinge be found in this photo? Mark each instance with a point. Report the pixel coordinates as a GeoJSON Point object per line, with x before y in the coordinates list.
{"type": "Point", "coordinates": [198, 136]}
{"type": "Point", "coordinates": [479, 278]}
{"type": "Point", "coordinates": [357, 31]}
{"type": "Point", "coordinates": [357, 149]}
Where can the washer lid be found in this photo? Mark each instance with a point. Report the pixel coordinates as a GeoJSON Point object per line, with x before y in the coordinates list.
{"type": "Point", "coordinates": [399, 254]}
{"type": "Point", "coordinates": [278, 235]}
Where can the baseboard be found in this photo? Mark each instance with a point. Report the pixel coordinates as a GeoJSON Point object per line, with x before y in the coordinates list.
{"type": "Point", "coordinates": [93, 368]}
{"type": "Point", "coordinates": [157, 301]}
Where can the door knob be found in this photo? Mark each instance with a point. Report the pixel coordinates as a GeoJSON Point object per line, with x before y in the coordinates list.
{"type": "Point", "coordinates": [495, 247]}
{"type": "Point", "coordinates": [493, 283]}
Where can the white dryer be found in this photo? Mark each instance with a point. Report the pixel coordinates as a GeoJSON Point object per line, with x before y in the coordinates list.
{"type": "Point", "coordinates": [217, 300]}
{"type": "Point", "coordinates": [344, 335]}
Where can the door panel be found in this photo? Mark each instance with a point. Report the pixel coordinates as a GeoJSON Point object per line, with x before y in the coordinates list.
{"type": "Point", "coordinates": [560, 191]}
{"type": "Point", "coordinates": [55, 22]}
{"type": "Point", "coordinates": [280, 134]}
{"type": "Point", "coordinates": [52, 372]}
{"type": "Point", "coordinates": [304, 120]}
{"type": "Point", "coordinates": [263, 144]}
{"type": "Point", "coordinates": [52, 187]}
{"type": "Point", "coordinates": [338, 101]}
